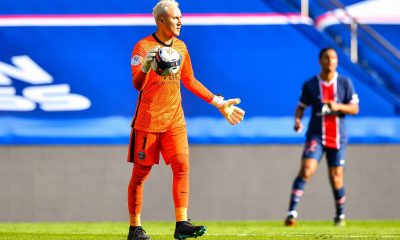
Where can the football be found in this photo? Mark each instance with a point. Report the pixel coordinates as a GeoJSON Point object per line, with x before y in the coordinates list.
{"type": "Point", "coordinates": [167, 61]}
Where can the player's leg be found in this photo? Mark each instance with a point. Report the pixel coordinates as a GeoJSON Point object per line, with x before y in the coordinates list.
{"type": "Point", "coordinates": [311, 156]}
{"type": "Point", "coordinates": [144, 153]}
{"type": "Point", "coordinates": [180, 185]}
{"type": "Point", "coordinates": [135, 199]}
{"type": "Point", "coordinates": [336, 162]}
{"type": "Point", "coordinates": [175, 150]}
{"type": "Point", "coordinates": [180, 188]}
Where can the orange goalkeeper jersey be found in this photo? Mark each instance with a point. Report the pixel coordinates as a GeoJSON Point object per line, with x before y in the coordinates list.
{"type": "Point", "coordinates": [159, 105]}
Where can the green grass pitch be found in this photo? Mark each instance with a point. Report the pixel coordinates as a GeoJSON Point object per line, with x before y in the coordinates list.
{"type": "Point", "coordinates": [371, 229]}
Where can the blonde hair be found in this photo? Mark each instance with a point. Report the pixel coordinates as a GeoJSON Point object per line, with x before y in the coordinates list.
{"type": "Point", "coordinates": [162, 6]}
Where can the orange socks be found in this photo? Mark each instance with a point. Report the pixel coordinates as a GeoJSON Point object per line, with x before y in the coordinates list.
{"type": "Point", "coordinates": [180, 185]}
{"type": "Point", "coordinates": [134, 220]}
{"type": "Point", "coordinates": [181, 214]}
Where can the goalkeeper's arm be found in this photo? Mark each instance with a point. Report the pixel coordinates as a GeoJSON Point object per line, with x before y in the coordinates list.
{"type": "Point", "coordinates": [227, 108]}
{"type": "Point", "coordinates": [140, 77]}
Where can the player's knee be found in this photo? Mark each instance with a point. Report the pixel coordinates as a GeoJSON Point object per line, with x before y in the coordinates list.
{"type": "Point", "coordinates": [307, 173]}
{"type": "Point", "coordinates": [337, 178]}
{"type": "Point", "coordinates": [140, 173]}
{"type": "Point", "coordinates": [180, 164]}
{"type": "Point", "coordinates": [142, 170]}
{"type": "Point", "coordinates": [308, 168]}
{"type": "Point", "coordinates": [336, 172]}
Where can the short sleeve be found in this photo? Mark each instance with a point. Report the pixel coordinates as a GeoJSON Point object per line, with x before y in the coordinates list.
{"type": "Point", "coordinates": [305, 96]}
{"type": "Point", "coordinates": [351, 96]}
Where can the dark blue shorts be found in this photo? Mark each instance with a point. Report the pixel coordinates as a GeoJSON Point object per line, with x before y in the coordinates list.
{"type": "Point", "coordinates": [313, 148]}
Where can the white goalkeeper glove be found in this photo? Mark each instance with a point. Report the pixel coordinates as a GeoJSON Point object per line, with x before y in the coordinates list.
{"type": "Point", "coordinates": [233, 114]}
{"type": "Point", "coordinates": [148, 61]}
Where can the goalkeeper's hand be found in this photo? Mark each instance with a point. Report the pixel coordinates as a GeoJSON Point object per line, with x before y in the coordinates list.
{"type": "Point", "coordinates": [147, 65]}
{"type": "Point", "coordinates": [227, 108]}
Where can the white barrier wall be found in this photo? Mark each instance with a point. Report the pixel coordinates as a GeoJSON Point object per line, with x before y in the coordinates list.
{"type": "Point", "coordinates": [241, 182]}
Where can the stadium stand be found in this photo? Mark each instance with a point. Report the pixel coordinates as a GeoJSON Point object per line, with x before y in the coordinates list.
{"type": "Point", "coordinates": [263, 49]}
{"type": "Point", "coordinates": [377, 39]}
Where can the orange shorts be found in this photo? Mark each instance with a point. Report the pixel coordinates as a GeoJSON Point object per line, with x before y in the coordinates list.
{"type": "Point", "coordinates": [145, 147]}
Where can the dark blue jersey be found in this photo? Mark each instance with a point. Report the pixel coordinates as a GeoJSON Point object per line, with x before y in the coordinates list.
{"type": "Point", "coordinates": [326, 125]}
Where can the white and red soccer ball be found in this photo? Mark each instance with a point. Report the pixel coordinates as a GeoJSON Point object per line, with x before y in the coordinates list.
{"type": "Point", "coordinates": [167, 61]}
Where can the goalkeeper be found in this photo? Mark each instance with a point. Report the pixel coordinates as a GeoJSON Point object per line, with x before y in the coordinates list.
{"type": "Point", "coordinates": [158, 125]}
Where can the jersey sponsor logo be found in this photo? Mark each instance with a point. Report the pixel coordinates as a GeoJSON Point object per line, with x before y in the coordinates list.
{"type": "Point", "coordinates": [136, 60]}
{"type": "Point", "coordinates": [326, 110]}
{"type": "Point", "coordinates": [166, 80]}
{"type": "Point", "coordinates": [172, 77]}
{"type": "Point", "coordinates": [42, 92]}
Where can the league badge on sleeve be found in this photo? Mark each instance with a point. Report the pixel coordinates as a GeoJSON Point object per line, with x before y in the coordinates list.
{"type": "Point", "coordinates": [136, 60]}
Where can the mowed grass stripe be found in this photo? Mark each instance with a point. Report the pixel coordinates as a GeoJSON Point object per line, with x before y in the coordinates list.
{"type": "Point", "coordinates": [216, 230]}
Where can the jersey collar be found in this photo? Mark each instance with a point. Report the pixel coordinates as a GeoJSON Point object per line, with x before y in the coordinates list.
{"type": "Point", "coordinates": [332, 81]}
{"type": "Point", "coordinates": [159, 41]}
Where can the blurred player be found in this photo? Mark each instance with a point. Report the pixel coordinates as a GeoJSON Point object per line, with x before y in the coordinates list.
{"type": "Point", "coordinates": [331, 96]}
{"type": "Point", "coordinates": [159, 126]}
